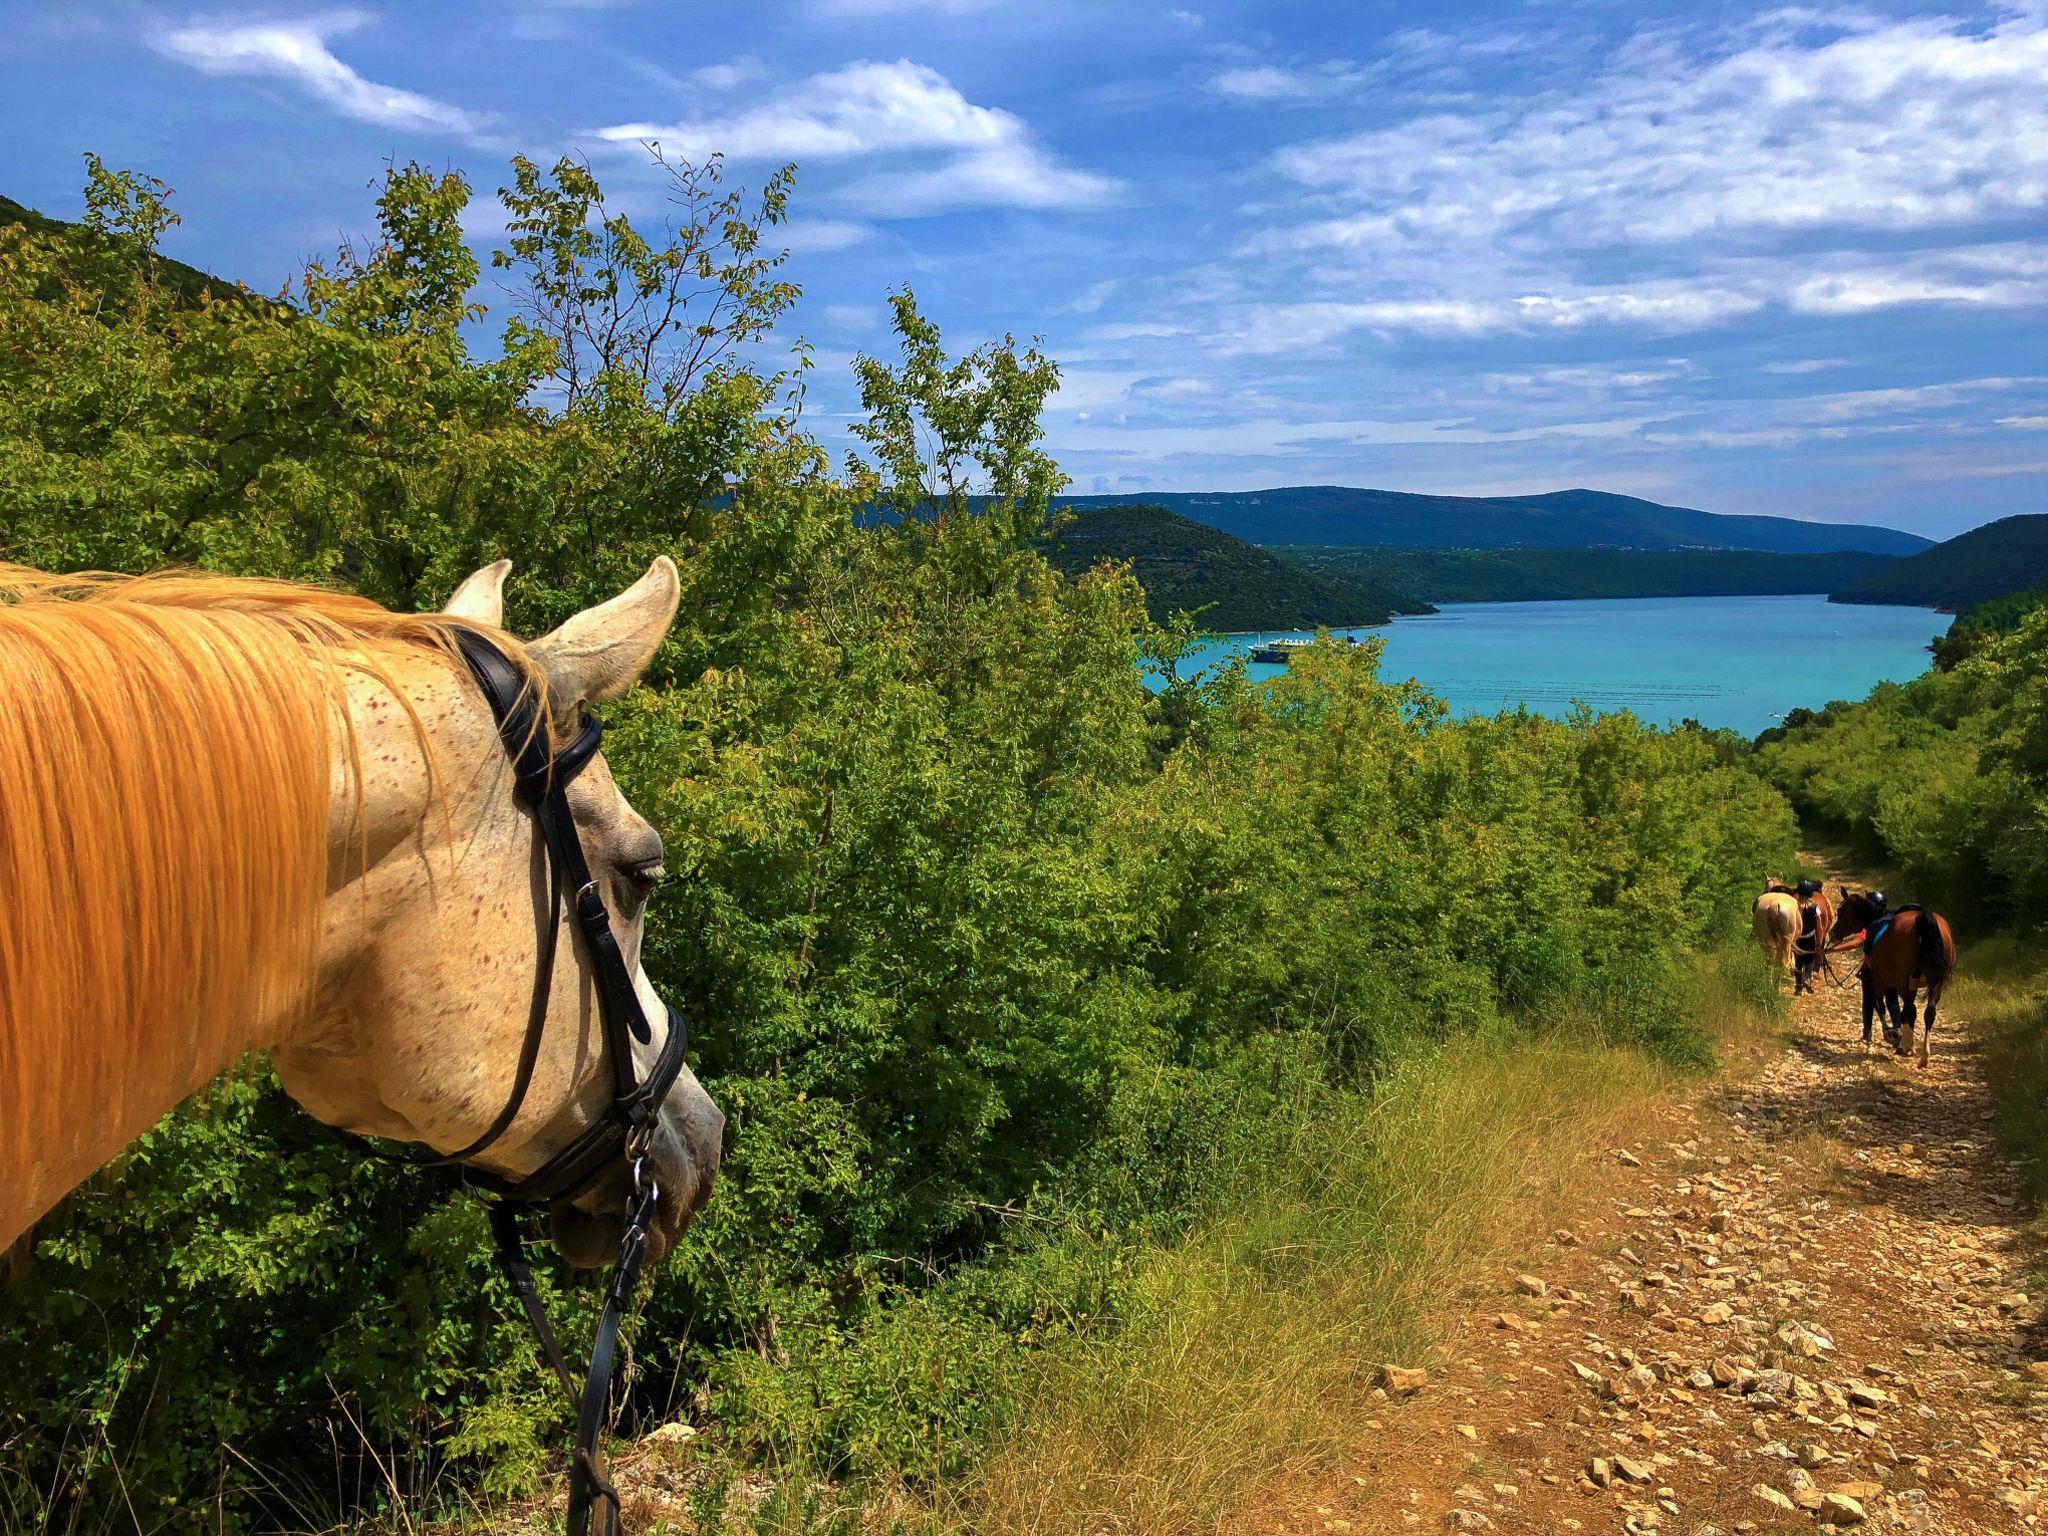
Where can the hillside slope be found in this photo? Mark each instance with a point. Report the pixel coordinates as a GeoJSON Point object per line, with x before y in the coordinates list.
{"type": "Point", "coordinates": [1187, 567]}
{"type": "Point", "coordinates": [188, 283]}
{"type": "Point", "coordinates": [2009, 555]}
{"type": "Point", "coordinates": [1341, 515]}
{"type": "Point", "coordinates": [1551, 575]}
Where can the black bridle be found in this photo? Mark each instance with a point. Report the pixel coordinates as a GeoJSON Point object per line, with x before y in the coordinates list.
{"type": "Point", "coordinates": [542, 778]}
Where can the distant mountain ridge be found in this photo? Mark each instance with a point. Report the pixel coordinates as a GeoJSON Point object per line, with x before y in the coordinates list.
{"type": "Point", "coordinates": [1187, 567]}
{"type": "Point", "coordinates": [2007, 556]}
{"type": "Point", "coordinates": [1557, 575]}
{"type": "Point", "coordinates": [1354, 518]}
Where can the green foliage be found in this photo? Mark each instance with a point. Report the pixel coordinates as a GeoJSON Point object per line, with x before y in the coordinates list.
{"type": "Point", "coordinates": [1225, 583]}
{"type": "Point", "coordinates": [1944, 778]}
{"type": "Point", "coordinates": [1980, 624]}
{"type": "Point", "coordinates": [2002, 557]}
{"type": "Point", "coordinates": [992, 952]}
{"type": "Point", "coordinates": [1421, 576]}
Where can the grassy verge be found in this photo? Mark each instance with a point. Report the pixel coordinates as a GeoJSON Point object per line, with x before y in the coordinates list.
{"type": "Point", "coordinates": [1246, 1357]}
{"type": "Point", "coordinates": [1252, 1362]}
{"type": "Point", "coordinates": [1167, 1381]}
{"type": "Point", "coordinates": [2001, 993]}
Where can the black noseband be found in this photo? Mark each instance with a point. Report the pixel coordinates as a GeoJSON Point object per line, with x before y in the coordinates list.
{"type": "Point", "coordinates": [541, 780]}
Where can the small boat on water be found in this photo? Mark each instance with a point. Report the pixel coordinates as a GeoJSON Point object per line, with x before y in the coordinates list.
{"type": "Point", "coordinates": [1277, 652]}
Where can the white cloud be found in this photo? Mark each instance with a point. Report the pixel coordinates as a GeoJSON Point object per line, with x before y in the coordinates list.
{"type": "Point", "coordinates": [1266, 82]}
{"type": "Point", "coordinates": [1661, 309]}
{"type": "Point", "coordinates": [727, 75]}
{"type": "Point", "coordinates": [296, 53]}
{"type": "Point", "coordinates": [1855, 293]}
{"type": "Point", "coordinates": [817, 236]}
{"type": "Point", "coordinates": [970, 155]}
{"type": "Point", "coordinates": [1003, 176]}
{"type": "Point", "coordinates": [1849, 405]}
{"type": "Point", "coordinates": [1975, 471]}
{"type": "Point", "coordinates": [1778, 163]}
{"type": "Point", "coordinates": [1916, 125]}
{"type": "Point", "coordinates": [1093, 297]}
{"type": "Point", "coordinates": [2025, 423]}
{"type": "Point", "coordinates": [1139, 330]}
{"type": "Point", "coordinates": [1588, 377]}
{"type": "Point", "coordinates": [895, 7]}
{"type": "Point", "coordinates": [1271, 435]}
{"type": "Point", "coordinates": [855, 317]}
{"type": "Point", "coordinates": [1807, 365]}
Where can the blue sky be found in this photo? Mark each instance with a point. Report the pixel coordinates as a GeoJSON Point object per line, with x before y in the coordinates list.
{"type": "Point", "coordinates": [1761, 260]}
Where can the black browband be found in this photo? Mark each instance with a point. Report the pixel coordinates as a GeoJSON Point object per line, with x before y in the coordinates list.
{"type": "Point", "coordinates": [627, 1125]}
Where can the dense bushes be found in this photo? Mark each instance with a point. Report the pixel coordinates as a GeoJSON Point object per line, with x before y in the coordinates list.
{"type": "Point", "coordinates": [1944, 778]}
{"type": "Point", "coordinates": [992, 951]}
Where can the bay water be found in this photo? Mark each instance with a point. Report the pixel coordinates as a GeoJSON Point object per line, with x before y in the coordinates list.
{"type": "Point", "coordinates": [1738, 662]}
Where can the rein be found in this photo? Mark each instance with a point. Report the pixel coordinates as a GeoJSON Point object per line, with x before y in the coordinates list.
{"type": "Point", "coordinates": [627, 1125]}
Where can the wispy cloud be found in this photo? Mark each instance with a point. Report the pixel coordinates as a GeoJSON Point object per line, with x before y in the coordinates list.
{"type": "Point", "coordinates": [894, 7]}
{"type": "Point", "coordinates": [1915, 125]}
{"type": "Point", "coordinates": [1818, 138]}
{"type": "Point", "coordinates": [1807, 365]}
{"type": "Point", "coordinates": [1660, 309]}
{"type": "Point", "coordinates": [1268, 82]}
{"type": "Point", "coordinates": [817, 236]}
{"type": "Point", "coordinates": [296, 53]}
{"type": "Point", "coordinates": [962, 155]}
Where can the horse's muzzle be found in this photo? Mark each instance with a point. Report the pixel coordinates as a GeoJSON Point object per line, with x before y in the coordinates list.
{"type": "Point", "coordinates": [683, 1160]}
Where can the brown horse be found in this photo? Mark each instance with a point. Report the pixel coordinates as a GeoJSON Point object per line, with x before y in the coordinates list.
{"type": "Point", "coordinates": [1816, 919]}
{"type": "Point", "coordinates": [1902, 951]}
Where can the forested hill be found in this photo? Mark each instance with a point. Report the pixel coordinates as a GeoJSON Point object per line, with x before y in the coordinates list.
{"type": "Point", "coordinates": [1338, 515]}
{"type": "Point", "coordinates": [2007, 556]}
{"type": "Point", "coordinates": [1187, 567]}
{"type": "Point", "coordinates": [187, 283]}
{"type": "Point", "coordinates": [1554, 575]}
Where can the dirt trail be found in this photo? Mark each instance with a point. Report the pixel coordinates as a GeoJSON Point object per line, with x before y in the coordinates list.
{"type": "Point", "coordinates": [1798, 1301]}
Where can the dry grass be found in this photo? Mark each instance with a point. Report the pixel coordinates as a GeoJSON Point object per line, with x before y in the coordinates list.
{"type": "Point", "coordinates": [2000, 994]}
{"type": "Point", "coordinates": [1247, 1360]}
{"type": "Point", "coordinates": [1253, 1361]}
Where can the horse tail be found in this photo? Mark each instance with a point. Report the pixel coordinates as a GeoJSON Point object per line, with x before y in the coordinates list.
{"type": "Point", "coordinates": [1934, 964]}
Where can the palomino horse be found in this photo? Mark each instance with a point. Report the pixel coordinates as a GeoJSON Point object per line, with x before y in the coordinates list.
{"type": "Point", "coordinates": [245, 815]}
{"type": "Point", "coordinates": [1902, 951]}
{"type": "Point", "coordinates": [1774, 919]}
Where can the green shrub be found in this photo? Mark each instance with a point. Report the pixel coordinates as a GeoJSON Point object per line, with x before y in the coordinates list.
{"type": "Point", "coordinates": [998, 962]}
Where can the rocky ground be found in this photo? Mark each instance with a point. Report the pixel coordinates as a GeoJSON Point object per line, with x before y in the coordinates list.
{"type": "Point", "coordinates": [1799, 1301]}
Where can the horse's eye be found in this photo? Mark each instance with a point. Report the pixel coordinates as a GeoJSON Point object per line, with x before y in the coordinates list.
{"type": "Point", "coordinates": [643, 878]}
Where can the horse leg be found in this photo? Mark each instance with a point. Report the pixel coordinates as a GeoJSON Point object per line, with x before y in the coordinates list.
{"type": "Point", "coordinates": [1909, 1014]}
{"type": "Point", "coordinates": [1902, 1020]}
{"type": "Point", "coordinates": [1927, 1028]}
{"type": "Point", "coordinates": [1870, 1005]}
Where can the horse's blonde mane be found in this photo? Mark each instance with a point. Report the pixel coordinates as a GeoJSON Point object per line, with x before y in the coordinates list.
{"type": "Point", "coordinates": [166, 747]}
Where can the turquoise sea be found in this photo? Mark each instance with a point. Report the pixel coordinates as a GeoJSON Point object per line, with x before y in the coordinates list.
{"type": "Point", "coordinates": [1740, 662]}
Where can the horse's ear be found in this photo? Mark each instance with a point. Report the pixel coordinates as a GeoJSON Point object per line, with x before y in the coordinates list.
{"type": "Point", "coordinates": [481, 597]}
{"type": "Point", "coordinates": [601, 652]}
